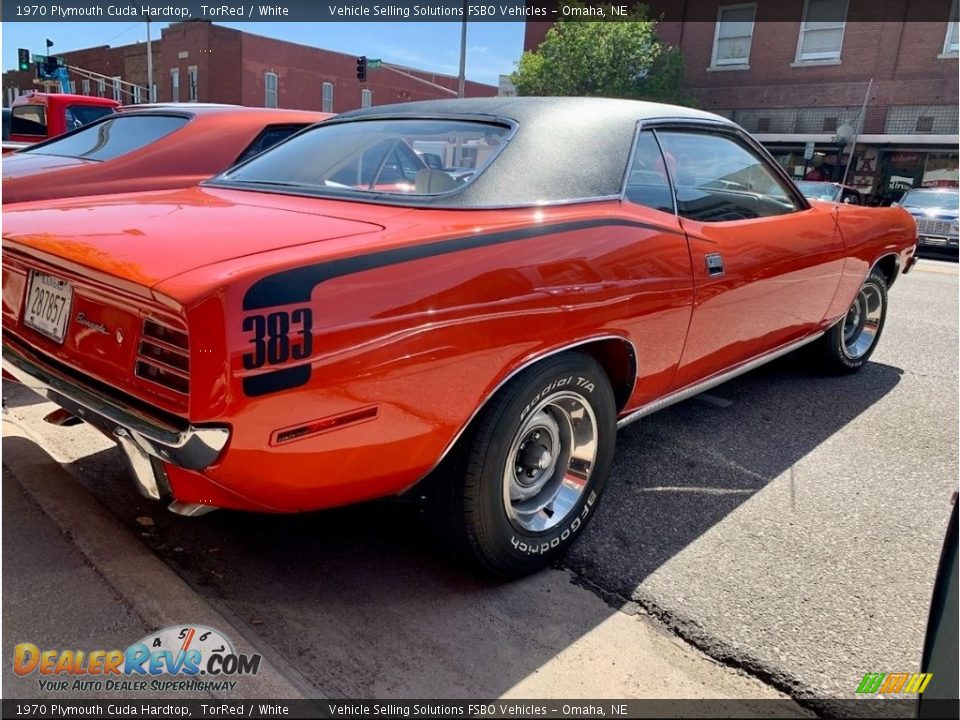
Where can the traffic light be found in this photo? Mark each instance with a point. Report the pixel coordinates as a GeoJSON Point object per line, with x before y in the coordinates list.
{"type": "Point", "coordinates": [23, 59]}
{"type": "Point", "coordinates": [362, 68]}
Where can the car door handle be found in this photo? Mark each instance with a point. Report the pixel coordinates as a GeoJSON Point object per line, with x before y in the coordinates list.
{"type": "Point", "coordinates": [714, 263]}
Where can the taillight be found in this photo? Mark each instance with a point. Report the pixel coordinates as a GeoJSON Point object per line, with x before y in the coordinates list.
{"type": "Point", "coordinates": [164, 356]}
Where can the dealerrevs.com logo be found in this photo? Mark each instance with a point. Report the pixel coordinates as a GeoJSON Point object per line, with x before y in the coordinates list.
{"type": "Point", "coordinates": [179, 658]}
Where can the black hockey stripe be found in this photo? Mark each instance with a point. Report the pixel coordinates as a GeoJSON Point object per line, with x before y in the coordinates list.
{"type": "Point", "coordinates": [296, 285]}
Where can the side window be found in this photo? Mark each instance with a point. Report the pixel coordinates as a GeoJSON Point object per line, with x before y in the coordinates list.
{"type": "Point", "coordinates": [267, 139]}
{"type": "Point", "coordinates": [717, 178]}
{"type": "Point", "coordinates": [648, 183]}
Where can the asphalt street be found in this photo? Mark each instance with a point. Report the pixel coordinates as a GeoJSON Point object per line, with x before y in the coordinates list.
{"type": "Point", "coordinates": [787, 524]}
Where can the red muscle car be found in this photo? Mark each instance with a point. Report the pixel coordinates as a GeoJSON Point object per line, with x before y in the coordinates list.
{"type": "Point", "coordinates": [331, 321]}
{"type": "Point", "coordinates": [158, 148]}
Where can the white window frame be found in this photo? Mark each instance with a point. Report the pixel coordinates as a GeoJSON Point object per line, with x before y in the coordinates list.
{"type": "Point", "coordinates": [193, 83]}
{"type": "Point", "coordinates": [137, 95]}
{"type": "Point", "coordinates": [86, 86]}
{"type": "Point", "coordinates": [952, 49]}
{"type": "Point", "coordinates": [175, 84]}
{"type": "Point", "coordinates": [820, 57]}
{"type": "Point", "coordinates": [271, 95]}
{"type": "Point", "coordinates": [734, 62]}
{"type": "Point", "coordinates": [366, 98]}
{"type": "Point", "coordinates": [326, 102]}
{"type": "Point", "coordinates": [101, 87]}
{"type": "Point", "coordinates": [117, 90]}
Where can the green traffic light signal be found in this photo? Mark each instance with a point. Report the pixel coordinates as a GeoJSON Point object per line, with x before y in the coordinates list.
{"type": "Point", "coordinates": [23, 58]}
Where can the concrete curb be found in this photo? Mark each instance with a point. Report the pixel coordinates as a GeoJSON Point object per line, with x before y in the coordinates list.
{"type": "Point", "coordinates": [157, 594]}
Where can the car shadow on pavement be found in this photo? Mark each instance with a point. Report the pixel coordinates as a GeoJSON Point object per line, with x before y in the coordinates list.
{"type": "Point", "coordinates": [364, 604]}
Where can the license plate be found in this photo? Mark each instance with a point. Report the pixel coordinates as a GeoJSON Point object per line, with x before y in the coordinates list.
{"type": "Point", "coordinates": [48, 305]}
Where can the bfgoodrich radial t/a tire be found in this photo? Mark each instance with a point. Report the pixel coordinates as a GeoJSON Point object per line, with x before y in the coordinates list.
{"type": "Point", "coordinates": [848, 345]}
{"type": "Point", "coordinates": [527, 476]}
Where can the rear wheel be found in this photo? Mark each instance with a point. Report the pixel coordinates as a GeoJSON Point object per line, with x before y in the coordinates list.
{"type": "Point", "coordinates": [848, 345]}
{"type": "Point", "coordinates": [527, 475]}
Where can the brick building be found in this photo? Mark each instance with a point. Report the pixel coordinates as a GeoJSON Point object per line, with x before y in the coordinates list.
{"type": "Point", "coordinates": [794, 71]}
{"type": "Point", "coordinates": [204, 62]}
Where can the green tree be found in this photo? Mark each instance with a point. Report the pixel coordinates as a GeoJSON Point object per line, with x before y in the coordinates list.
{"type": "Point", "coordinates": [620, 58]}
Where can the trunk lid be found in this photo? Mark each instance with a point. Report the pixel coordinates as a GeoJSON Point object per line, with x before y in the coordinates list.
{"type": "Point", "coordinates": [145, 238]}
{"type": "Point", "coordinates": [22, 165]}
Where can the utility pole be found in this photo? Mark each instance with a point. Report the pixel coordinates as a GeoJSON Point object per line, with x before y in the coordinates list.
{"type": "Point", "coordinates": [150, 97]}
{"type": "Point", "coordinates": [461, 81]}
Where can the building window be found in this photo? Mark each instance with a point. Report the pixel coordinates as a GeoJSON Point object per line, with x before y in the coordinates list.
{"type": "Point", "coordinates": [73, 87]}
{"type": "Point", "coordinates": [175, 85]}
{"type": "Point", "coordinates": [829, 124]}
{"type": "Point", "coordinates": [192, 80]}
{"type": "Point", "coordinates": [101, 87]}
{"type": "Point", "coordinates": [821, 32]}
{"type": "Point", "coordinates": [951, 46]}
{"type": "Point", "coordinates": [327, 105]}
{"type": "Point", "coordinates": [117, 91]}
{"type": "Point", "coordinates": [86, 87]}
{"type": "Point", "coordinates": [733, 35]}
{"type": "Point", "coordinates": [137, 98]}
{"type": "Point", "coordinates": [910, 119]}
{"type": "Point", "coordinates": [271, 83]}
{"type": "Point", "coordinates": [366, 98]}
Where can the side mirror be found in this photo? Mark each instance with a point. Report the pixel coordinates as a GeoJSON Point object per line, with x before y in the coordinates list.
{"type": "Point", "coordinates": [894, 204]}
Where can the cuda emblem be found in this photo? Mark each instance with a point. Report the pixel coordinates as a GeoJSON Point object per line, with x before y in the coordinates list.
{"type": "Point", "coordinates": [95, 326]}
{"type": "Point", "coordinates": [119, 336]}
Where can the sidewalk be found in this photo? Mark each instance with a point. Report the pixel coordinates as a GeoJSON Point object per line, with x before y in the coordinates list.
{"type": "Point", "coordinates": [74, 578]}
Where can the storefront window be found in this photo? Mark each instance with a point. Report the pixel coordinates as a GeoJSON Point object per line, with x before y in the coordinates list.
{"type": "Point", "coordinates": [940, 170]}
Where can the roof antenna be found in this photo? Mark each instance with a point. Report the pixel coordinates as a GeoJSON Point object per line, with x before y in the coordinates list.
{"type": "Point", "coordinates": [853, 144]}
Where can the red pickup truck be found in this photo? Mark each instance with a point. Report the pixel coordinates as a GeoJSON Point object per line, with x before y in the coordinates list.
{"type": "Point", "coordinates": [37, 116]}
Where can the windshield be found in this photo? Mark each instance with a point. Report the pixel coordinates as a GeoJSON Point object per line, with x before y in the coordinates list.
{"type": "Point", "coordinates": [112, 138]}
{"type": "Point", "coordinates": [399, 157]}
{"type": "Point", "coordinates": [818, 190]}
{"type": "Point", "coordinates": [931, 199]}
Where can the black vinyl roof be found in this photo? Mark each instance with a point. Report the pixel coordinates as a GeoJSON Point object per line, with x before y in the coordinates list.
{"type": "Point", "coordinates": [564, 148]}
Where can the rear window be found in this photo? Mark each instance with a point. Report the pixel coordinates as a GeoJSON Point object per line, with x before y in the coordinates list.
{"type": "Point", "coordinates": [377, 157]}
{"type": "Point", "coordinates": [113, 137]}
{"type": "Point", "coordinates": [80, 115]}
{"type": "Point", "coordinates": [29, 120]}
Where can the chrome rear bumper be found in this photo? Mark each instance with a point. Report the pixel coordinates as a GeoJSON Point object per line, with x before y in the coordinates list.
{"type": "Point", "coordinates": [144, 440]}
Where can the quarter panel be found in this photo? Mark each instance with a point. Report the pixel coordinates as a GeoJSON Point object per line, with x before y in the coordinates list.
{"type": "Point", "coordinates": [426, 340]}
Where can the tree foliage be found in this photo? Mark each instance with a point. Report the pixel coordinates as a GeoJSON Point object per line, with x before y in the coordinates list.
{"type": "Point", "coordinates": [621, 58]}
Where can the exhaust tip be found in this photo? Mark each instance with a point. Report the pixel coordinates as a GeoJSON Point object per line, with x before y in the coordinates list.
{"type": "Point", "coordinates": [62, 418]}
{"type": "Point", "coordinates": [190, 509]}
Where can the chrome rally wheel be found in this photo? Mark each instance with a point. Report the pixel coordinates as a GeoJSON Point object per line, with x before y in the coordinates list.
{"type": "Point", "coordinates": [861, 326]}
{"type": "Point", "coordinates": [550, 462]}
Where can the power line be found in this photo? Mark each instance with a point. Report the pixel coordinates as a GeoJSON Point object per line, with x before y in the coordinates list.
{"type": "Point", "coordinates": [122, 32]}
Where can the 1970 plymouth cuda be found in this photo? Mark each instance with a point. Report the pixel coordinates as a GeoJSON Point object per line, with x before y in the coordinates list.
{"type": "Point", "coordinates": [333, 321]}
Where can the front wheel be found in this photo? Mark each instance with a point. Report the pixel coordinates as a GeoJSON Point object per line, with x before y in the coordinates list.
{"type": "Point", "coordinates": [528, 474]}
{"type": "Point", "coordinates": [848, 345]}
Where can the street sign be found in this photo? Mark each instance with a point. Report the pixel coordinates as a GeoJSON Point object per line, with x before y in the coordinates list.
{"type": "Point", "coordinates": [61, 62]}
{"type": "Point", "coordinates": [808, 151]}
{"type": "Point", "coordinates": [374, 63]}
